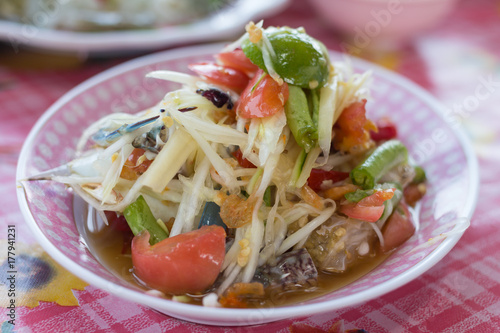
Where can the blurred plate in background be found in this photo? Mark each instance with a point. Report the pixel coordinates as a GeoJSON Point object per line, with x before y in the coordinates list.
{"type": "Point", "coordinates": [223, 24]}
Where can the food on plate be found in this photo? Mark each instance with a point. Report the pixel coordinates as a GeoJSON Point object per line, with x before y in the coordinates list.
{"type": "Point", "coordinates": [100, 15]}
{"type": "Point", "coordinates": [260, 176]}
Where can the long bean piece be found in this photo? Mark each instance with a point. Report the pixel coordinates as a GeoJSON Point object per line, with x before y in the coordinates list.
{"type": "Point", "coordinates": [299, 118]}
{"type": "Point", "coordinates": [383, 158]}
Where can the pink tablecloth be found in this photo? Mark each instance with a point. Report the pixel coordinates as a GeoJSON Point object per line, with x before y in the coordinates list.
{"type": "Point", "coordinates": [460, 294]}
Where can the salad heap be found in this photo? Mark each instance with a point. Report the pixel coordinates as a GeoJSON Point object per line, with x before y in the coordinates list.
{"type": "Point", "coordinates": [259, 173]}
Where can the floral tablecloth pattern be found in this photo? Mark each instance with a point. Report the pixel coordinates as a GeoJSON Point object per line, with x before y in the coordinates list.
{"type": "Point", "coordinates": [458, 62]}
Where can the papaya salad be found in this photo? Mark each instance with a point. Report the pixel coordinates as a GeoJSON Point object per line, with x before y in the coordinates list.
{"type": "Point", "coordinates": [260, 173]}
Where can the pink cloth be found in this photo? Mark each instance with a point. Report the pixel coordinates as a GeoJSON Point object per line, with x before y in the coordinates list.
{"type": "Point", "coordinates": [459, 294]}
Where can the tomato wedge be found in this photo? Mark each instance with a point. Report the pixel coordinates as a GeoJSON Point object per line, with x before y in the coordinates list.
{"type": "Point", "coordinates": [398, 228]}
{"type": "Point", "coordinates": [352, 128]}
{"type": "Point", "coordinates": [186, 263]}
{"type": "Point", "coordinates": [368, 209]}
{"type": "Point", "coordinates": [222, 75]}
{"type": "Point", "coordinates": [238, 60]}
{"type": "Point", "coordinates": [263, 97]}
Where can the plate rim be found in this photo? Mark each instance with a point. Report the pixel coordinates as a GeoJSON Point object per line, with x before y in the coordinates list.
{"type": "Point", "coordinates": [212, 316]}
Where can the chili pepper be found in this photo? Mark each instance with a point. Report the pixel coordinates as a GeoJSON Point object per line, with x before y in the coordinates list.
{"type": "Point", "coordinates": [318, 176]}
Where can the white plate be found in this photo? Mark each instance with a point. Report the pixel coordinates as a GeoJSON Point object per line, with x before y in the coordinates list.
{"type": "Point", "coordinates": [225, 24]}
{"type": "Point", "coordinates": [442, 149]}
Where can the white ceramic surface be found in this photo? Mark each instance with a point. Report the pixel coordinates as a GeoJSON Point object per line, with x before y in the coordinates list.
{"type": "Point", "coordinates": [440, 148]}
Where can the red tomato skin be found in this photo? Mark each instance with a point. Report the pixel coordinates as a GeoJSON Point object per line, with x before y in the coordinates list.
{"type": "Point", "coordinates": [238, 155]}
{"type": "Point", "coordinates": [363, 213]}
{"type": "Point", "coordinates": [368, 209]}
{"type": "Point", "coordinates": [186, 263]}
{"type": "Point", "coordinates": [398, 229]}
{"type": "Point", "coordinates": [263, 97]}
{"type": "Point", "coordinates": [352, 128]}
{"type": "Point", "coordinates": [386, 130]}
{"type": "Point", "coordinates": [318, 176]}
{"type": "Point", "coordinates": [222, 75]}
{"type": "Point", "coordinates": [238, 60]}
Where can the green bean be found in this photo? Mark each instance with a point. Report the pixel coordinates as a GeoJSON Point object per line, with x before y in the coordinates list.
{"type": "Point", "coordinates": [139, 217]}
{"type": "Point", "coordinates": [299, 119]}
{"type": "Point", "coordinates": [385, 157]}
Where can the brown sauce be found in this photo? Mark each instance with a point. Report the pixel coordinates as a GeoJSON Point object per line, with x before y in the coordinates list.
{"type": "Point", "coordinates": [108, 244]}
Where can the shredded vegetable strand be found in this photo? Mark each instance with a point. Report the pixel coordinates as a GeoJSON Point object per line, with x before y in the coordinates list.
{"type": "Point", "coordinates": [113, 174]}
{"type": "Point", "coordinates": [191, 200]}
{"type": "Point", "coordinates": [164, 167]}
{"type": "Point", "coordinates": [212, 132]}
{"type": "Point", "coordinates": [304, 232]}
{"type": "Point", "coordinates": [256, 237]}
{"type": "Point", "coordinates": [225, 171]}
{"type": "Point", "coordinates": [327, 102]}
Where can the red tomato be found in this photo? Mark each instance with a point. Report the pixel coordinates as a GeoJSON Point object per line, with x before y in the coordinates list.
{"type": "Point", "coordinates": [318, 176]}
{"type": "Point", "coordinates": [398, 228]}
{"type": "Point", "coordinates": [386, 130]}
{"type": "Point", "coordinates": [186, 263]}
{"type": "Point", "coordinates": [263, 97]}
{"type": "Point", "coordinates": [218, 74]}
{"type": "Point", "coordinates": [368, 209]}
{"type": "Point", "coordinates": [363, 213]}
{"type": "Point", "coordinates": [352, 128]}
{"type": "Point", "coordinates": [242, 161]}
{"type": "Point", "coordinates": [238, 60]}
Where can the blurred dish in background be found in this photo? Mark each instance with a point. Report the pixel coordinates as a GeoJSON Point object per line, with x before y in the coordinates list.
{"type": "Point", "coordinates": [112, 26]}
{"type": "Point", "coordinates": [381, 23]}
{"type": "Point", "coordinates": [99, 15]}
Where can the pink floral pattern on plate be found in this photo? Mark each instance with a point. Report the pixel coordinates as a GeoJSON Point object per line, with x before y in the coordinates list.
{"type": "Point", "coordinates": [433, 142]}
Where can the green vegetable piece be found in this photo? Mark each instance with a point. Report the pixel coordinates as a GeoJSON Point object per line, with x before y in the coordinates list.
{"type": "Point", "coordinates": [267, 197]}
{"type": "Point", "coordinates": [299, 119]}
{"type": "Point", "coordinates": [385, 157]}
{"type": "Point", "coordinates": [139, 218]}
{"type": "Point", "coordinates": [420, 176]}
{"type": "Point", "coordinates": [300, 59]}
{"type": "Point", "coordinates": [313, 102]}
{"type": "Point", "coordinates": [358, 195]}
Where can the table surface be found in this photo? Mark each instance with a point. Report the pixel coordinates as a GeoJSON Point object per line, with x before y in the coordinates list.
{"type": "Point", "coordinates": [459, 294]}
